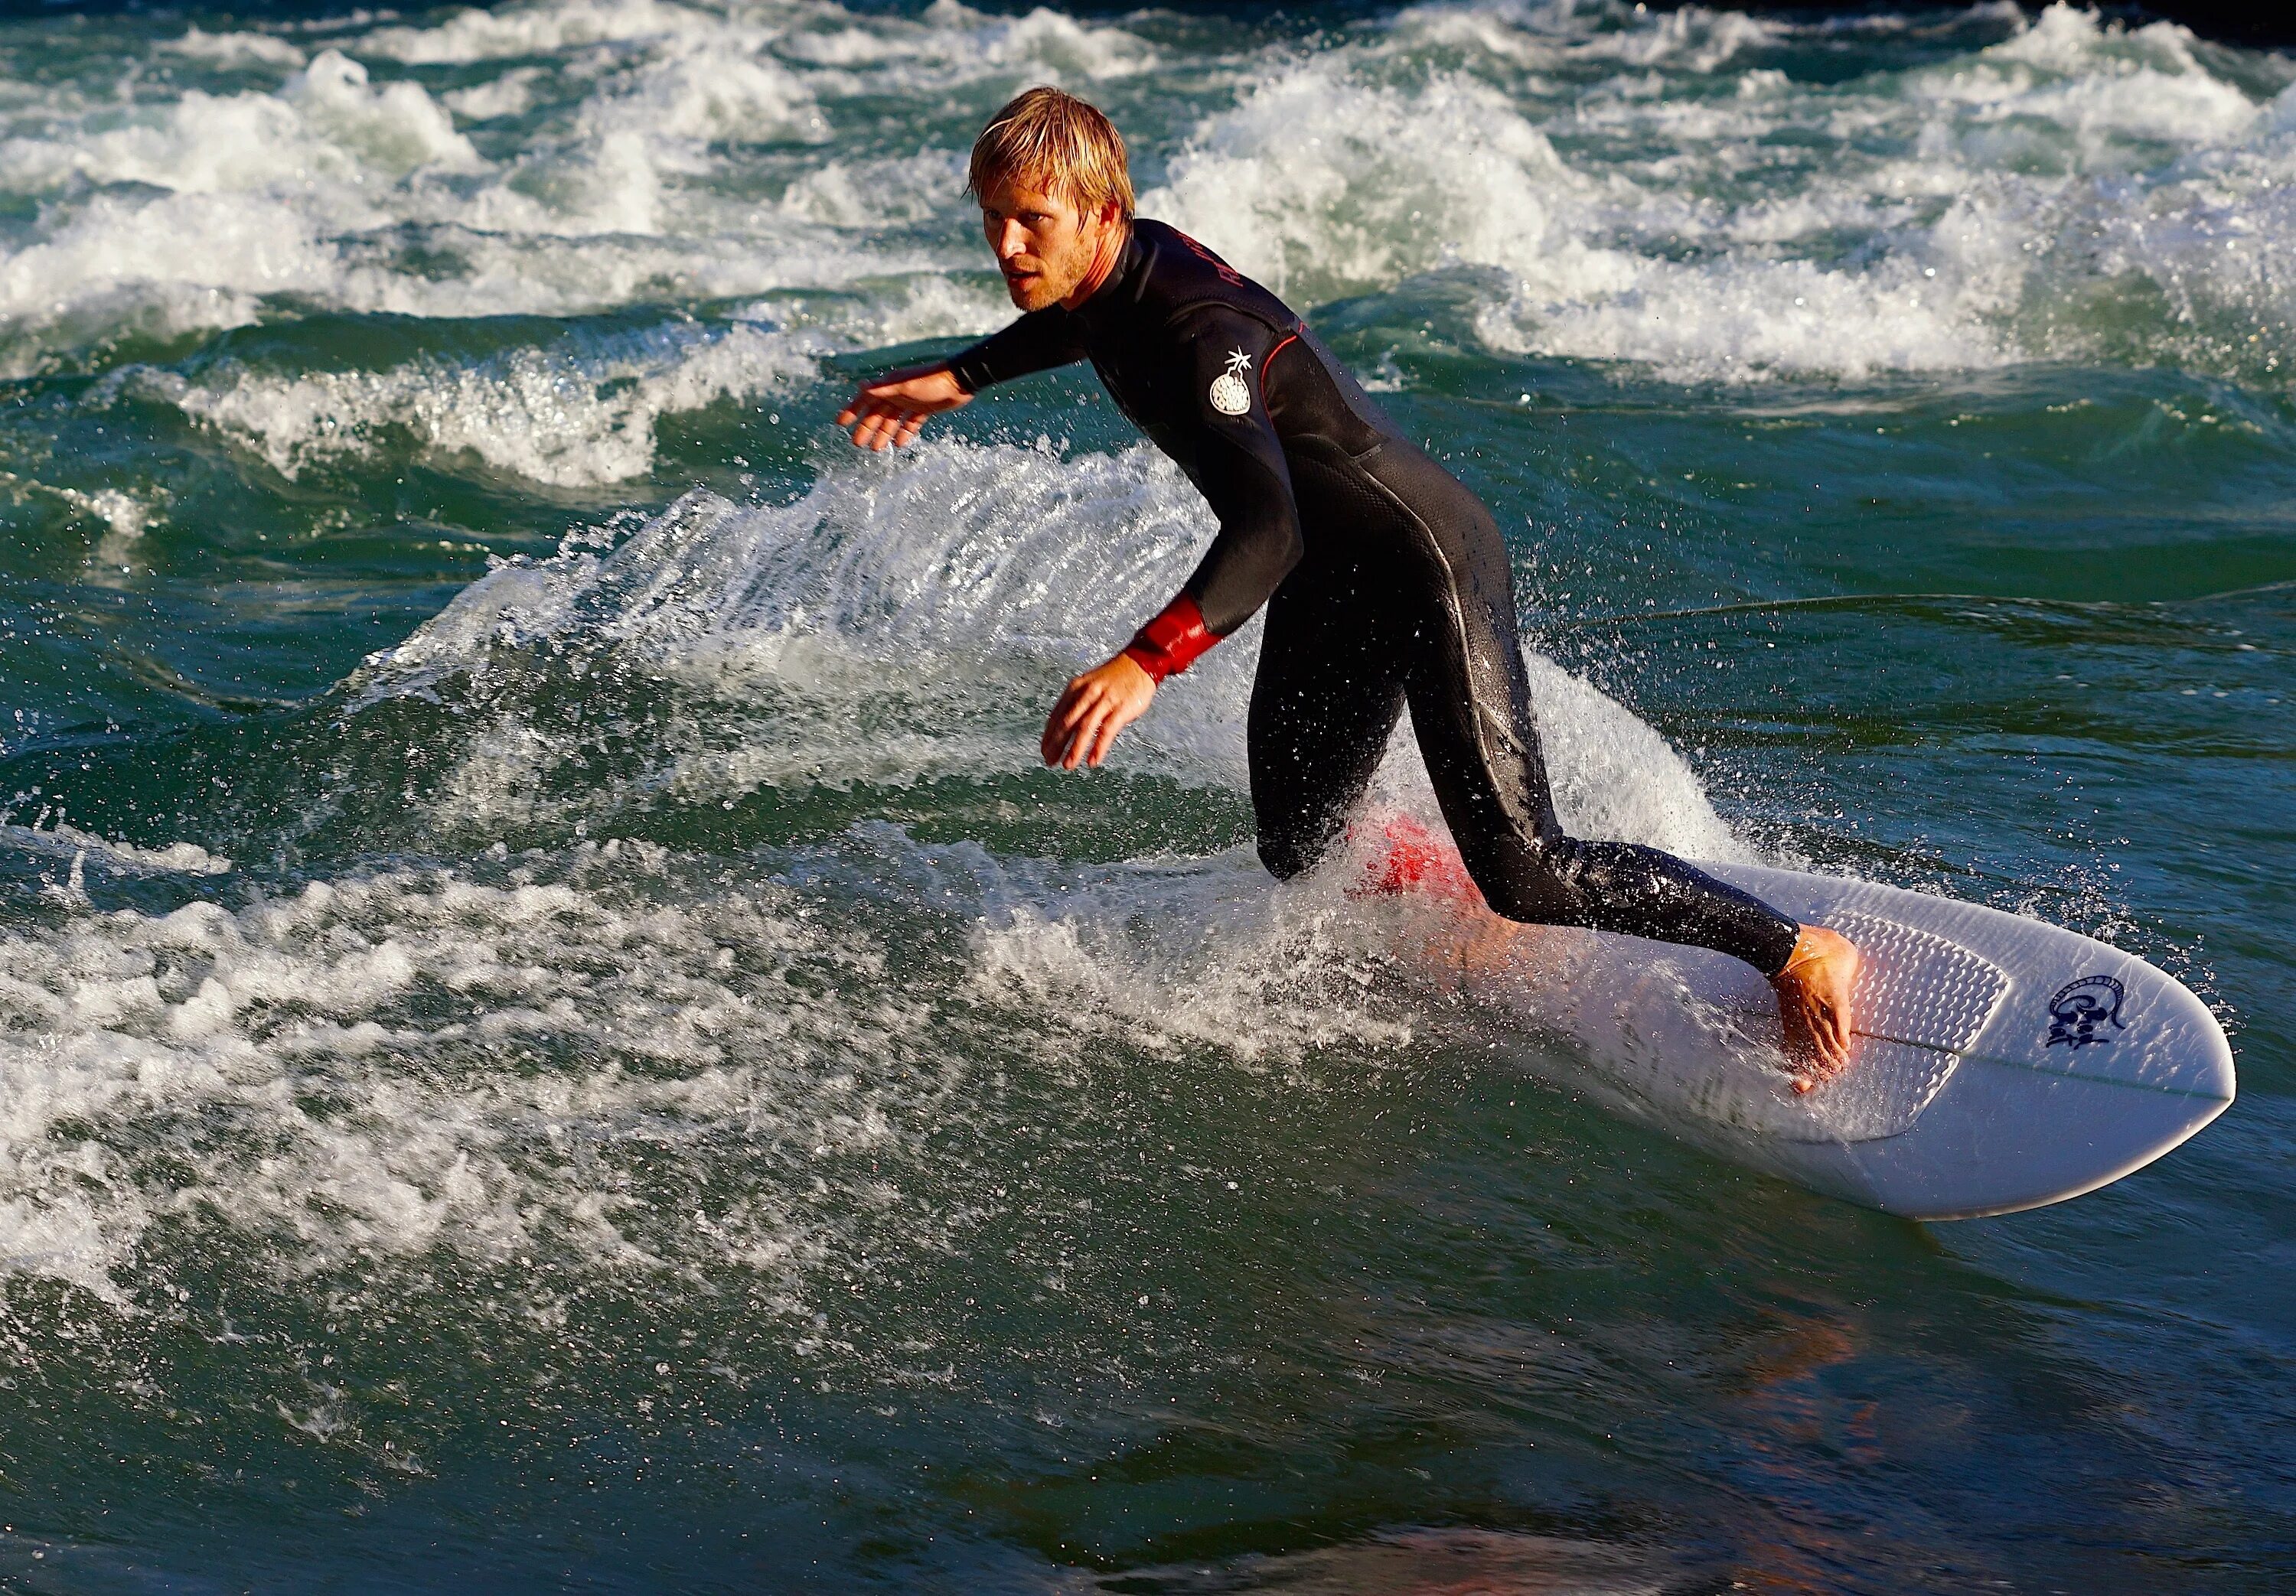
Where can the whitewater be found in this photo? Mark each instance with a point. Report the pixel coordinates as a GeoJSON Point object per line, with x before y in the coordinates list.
{"type": "Point", "coordinates": [555, 1035]}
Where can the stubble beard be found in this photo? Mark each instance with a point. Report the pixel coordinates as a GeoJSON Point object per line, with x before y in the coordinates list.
{"type": "Point", "coordinates": [1034, 294]}
{"type": "Point", "coordinates": [1055, 280]}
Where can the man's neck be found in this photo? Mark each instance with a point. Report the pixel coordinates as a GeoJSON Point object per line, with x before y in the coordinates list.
{"type": "Point", "coordinates": [1104, 261]}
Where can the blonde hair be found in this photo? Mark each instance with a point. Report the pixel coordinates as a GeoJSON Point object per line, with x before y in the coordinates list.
{"type": "Point", "coordinates": [1058, 140]}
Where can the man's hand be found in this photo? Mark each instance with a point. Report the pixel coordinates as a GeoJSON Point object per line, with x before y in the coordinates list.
{"type": "Point", "coordinates": [1093, 709]}
{"type": "Point", "coordinates": [888, 412]}
{"type": "Point", "coordinates": [1814, 1004]}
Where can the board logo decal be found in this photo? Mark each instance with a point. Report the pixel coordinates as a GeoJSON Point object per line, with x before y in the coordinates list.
{"type": "Point", "coordinates": [2081, 1011]}
{"type": "Point", "coordinates": [1230, 395]}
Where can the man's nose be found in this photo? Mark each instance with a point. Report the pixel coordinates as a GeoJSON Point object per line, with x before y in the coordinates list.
{"type": "Point", "coordinates": [1012, 240]}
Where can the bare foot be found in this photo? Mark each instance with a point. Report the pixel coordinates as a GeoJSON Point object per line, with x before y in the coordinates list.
{"type": "Point", "coordinates": [1814, 1004]}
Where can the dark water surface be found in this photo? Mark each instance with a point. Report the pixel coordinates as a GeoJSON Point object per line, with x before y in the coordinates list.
{"type": "Point", "coordinates": [553, 1036]}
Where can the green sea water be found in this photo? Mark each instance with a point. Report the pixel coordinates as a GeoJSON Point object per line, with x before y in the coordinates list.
{"type": "Point", "coordinates": [555, 1035]}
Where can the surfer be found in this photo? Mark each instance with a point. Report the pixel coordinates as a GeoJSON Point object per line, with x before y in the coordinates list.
{"type": "Point", "coordinates": [1386, 580]}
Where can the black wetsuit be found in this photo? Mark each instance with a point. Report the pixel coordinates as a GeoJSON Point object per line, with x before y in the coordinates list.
{"type": "Point", "coordinates": [1386, 582]}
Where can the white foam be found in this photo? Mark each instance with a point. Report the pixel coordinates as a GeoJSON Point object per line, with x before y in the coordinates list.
{"type": "Point", "coordinates": [552, 416]}
{"type": "Point", "coordinates": [1323, 185]}
{"type": "Point", "coordinates": [2071, 90]}
{"type": "Point", "coordinates": [54, 838]}
{"type": "Point", "coordinates": [237, 49]}
{"type": "Point", "coordinates": [583, 1053]}
{"type": "Point", "coordinates": [880, 193]}
{"type": "Point", "coordinates": [1320, 184]}
{"type": "Point", "coordinates": [943, 594]}
{"type": "Point", "coordinates": [329, 122]}
{"type": "Point", "coordinates": [1329, 178]}
{"type": "Point", "coordinates": [288, 1058]}
{"type": "Point", "coordinates": [936, 307]}
{"type": "Point", "coordinates": [1261, 976]}
{"type": "Point", "coordinates": [1616, 778]}
{"type": "Point", "coordinates": [1739, 321]}
{"type": "Point", "coordinates": [512, 94]}
{"type": "Point", "coordinates": [702, 91]}
{"type": "Point", "coordinates": [1045, 43]}
{"type": "Point", "coordinates": [552, 26]}
{"type": "Point", "coordinates": [215, 204]}
{"type": "Point", "coordinates": [125, 517]}
{"type": "Point", "coordinates": [163, 266]}
{"type": "Point", "coordinates": [1690, 40]}
{"type": "Point", "coordinates": [2026, 200]}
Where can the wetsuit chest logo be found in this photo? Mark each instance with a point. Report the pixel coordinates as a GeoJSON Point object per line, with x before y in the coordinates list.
{"type": "Point", "coordinates": [1230, 395]}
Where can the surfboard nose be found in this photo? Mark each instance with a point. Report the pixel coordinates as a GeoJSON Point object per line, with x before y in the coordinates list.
{"type": "Point", "coordinates": [2187, 1050]}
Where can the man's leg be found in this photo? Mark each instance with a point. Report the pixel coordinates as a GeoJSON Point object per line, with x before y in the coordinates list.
{"type": "Point", "coordinates": [1323, 707]}
{"type": "Point", "coordinates": [1471, 707]}
{"type": "Point", "coordinates": [1470, 700]}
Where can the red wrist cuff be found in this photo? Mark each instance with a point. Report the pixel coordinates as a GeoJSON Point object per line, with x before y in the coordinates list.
{"type": "Point", "coordinates": [1172, 642]}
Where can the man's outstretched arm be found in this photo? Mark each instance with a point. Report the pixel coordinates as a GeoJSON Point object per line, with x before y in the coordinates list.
{"type": "Point", "coordinates": [890, 411]}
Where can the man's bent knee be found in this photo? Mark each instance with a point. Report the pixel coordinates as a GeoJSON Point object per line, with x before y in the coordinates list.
{"type": "Point", "coordinates": [1287, 856]}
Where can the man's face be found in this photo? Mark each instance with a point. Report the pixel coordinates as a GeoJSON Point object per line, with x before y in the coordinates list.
{"type": "Point", "coordinates": [1044, 245]}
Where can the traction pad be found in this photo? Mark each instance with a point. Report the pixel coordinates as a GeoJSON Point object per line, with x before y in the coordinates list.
{"type": "Point", "coordinates": [1920, 1003]}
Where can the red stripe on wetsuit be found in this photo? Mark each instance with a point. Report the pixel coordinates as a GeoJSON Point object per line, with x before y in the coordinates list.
{"type": "Point", "coordinates": [1175, 640]}
{"type": "Point", "coordinates": [1268, 359]}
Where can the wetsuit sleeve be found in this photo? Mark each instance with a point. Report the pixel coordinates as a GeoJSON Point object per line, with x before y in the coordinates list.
{"type": "Point", "coordinates": [1239, 464]}
{"type": "Point", "coordinates": [1037, 342]}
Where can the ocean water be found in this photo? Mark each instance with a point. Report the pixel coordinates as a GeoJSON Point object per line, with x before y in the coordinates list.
{"type": "Point", "coordinates": [554, 1036]}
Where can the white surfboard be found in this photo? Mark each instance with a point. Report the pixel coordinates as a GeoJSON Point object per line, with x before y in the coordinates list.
{"type": "Point", "coordinates": [1999, 1063]}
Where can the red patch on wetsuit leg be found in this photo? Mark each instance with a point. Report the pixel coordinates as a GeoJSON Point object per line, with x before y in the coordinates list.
{"type": "Point", "coordinates": [1409, 857]}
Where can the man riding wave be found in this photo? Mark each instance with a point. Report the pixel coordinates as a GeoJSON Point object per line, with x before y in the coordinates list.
{"type": "Point", "coordinates": [1386, 581]}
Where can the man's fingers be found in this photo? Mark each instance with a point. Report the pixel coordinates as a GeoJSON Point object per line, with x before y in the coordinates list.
{"type": "Point", "coordinates": [890, 412]}
{"type": "Point", "coordinates": [1087, 724]}
{"type": "Point", "coordinates": [1110, 725]}
{"type": "Point", "coordinates": [1835, 1034]}
{"type": "Point", "coordinates": [1118, 717]}
{"type": "Point", "coordinates": [897, 426]}
{"type": "Point", "coordinates": [1061, 723]}
{"type": "Point", "coordinates": [1093, 741]}
{"type": "Point", "coordinates": [1092, 711]}
{"type": "Point", "coordinates": [1095, 715]}
{"type": "Point", "coordinates": [1060, 740]}
{"type": "Point", "coordinates": [872, 421]}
